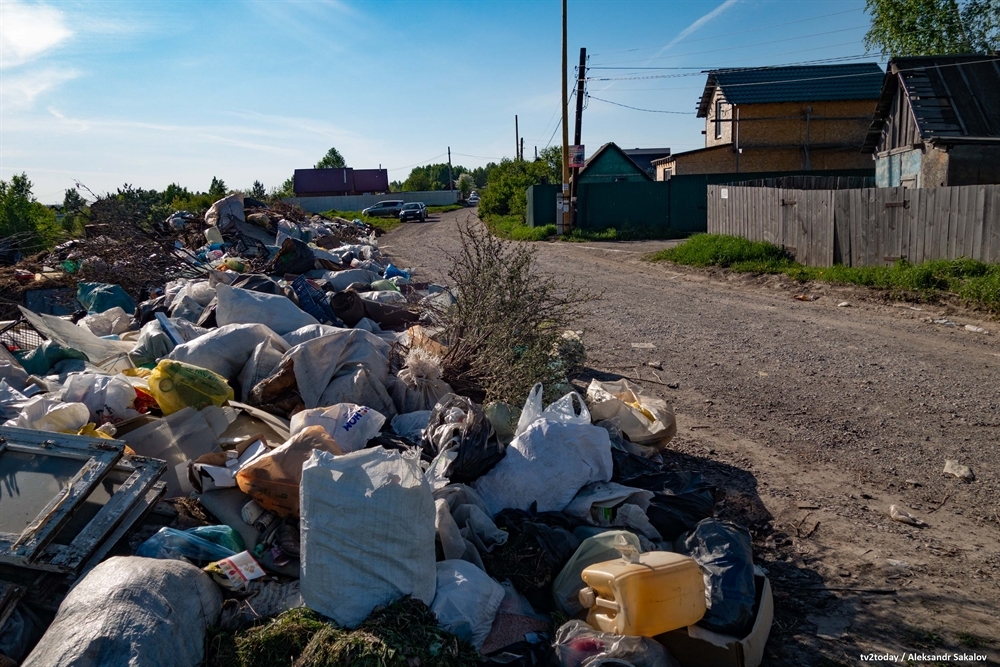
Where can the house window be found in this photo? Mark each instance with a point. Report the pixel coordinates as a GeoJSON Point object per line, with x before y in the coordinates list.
{"type": "Point", "coordinates": [718, 119]}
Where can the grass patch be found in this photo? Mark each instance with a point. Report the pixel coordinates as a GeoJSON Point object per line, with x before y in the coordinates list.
{"type": "Point", "coordinates": [512, 228]}
{"type": "Point", "coordinates": [445, 209]}
{"type": "Point", "coordinates": [977, 282]}
{"type": "Point", "coordinates": [627, 234]}
{"type": "Point", "coordinates": [385, 224]}
{"type": "Point", "coordinates": [969, 640]}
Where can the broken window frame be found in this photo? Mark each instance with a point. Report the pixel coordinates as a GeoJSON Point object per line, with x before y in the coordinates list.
{"type": "Point", "coordinates": [33, 547]}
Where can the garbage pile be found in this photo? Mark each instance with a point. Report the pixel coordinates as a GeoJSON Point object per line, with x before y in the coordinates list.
{"type": "Point", "coordinates": [333, 501]}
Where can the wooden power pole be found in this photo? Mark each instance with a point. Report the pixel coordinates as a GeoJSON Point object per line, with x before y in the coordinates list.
{"type": "Point", "coordinates": [581, 74]}
{"type": "Point", "coordinates": [562, 220]}
{"type": "Point", "coordinates": [517, 138]}
{"type": "Point", "coordinates": [451, 183]}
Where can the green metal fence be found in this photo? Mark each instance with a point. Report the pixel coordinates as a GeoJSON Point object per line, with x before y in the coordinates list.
{"type": "Point", "coordinates": [541, 205]}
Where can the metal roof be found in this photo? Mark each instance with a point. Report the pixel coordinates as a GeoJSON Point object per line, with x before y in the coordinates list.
{"type": "Point", "coordinates": [808, 83]}
{"type": "Point", "coordinates": [953, 99]}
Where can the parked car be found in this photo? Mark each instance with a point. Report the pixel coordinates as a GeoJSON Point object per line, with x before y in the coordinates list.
{"type": "Point", "coordinates": [413, 211]}
{"type": "Point", "coordinates": [384, 209]}
{"type": "Point", "coordinates": [473, 199]}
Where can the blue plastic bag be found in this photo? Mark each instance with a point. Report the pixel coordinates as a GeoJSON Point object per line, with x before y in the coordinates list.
{"type": "Point", "coordinates": [205, 543]}
{"type": "Point", "coordinates": [99, 297]}
{"type": "Point", "coordinates": [392, 271]}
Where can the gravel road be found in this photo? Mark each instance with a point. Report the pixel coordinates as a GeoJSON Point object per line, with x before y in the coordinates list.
{"type": "Point", "coordinates": [816, 418]}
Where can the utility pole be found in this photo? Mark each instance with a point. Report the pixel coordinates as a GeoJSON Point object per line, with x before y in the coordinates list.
{"type": "Point", "coordinates": [580, 79]}
{"type": "Point", "coordinates": [522, 148]}
{"type": "Point", "coordinates": [517, 138]}
{"type": "Point", "coordinates": [536, 152]}
{"type": "Point", "coordinates": [562, 220]}
{"type": "Point", "coordinates": [451, 183]}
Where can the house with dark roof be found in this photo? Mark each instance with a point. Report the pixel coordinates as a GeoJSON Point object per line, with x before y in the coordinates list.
{"type": "Point", "coordinates": [644, 157]}
{"type": "Point", "coordinates": [937, 122]}
{"type": "Point", "coordinates": [610, 164]}
{"type": "Point", "coordinates": [771, 119]}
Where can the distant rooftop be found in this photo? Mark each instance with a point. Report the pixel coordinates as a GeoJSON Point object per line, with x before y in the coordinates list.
{"type": "Point", "coordinates": [813, 83]}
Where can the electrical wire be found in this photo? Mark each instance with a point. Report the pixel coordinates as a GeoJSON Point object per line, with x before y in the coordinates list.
{"type": "Point", "coordinates": [617, 104]}
{"type": "Point", "coordinates": [481, 157]}
{"type": "Point", "coordinates": [729, 34]}
{"type": "Point", "coordinates": [726, 48]}
{"type": "Point", "coordinates": [427, 161]}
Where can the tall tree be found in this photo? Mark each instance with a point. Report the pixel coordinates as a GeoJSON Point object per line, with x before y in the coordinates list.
{"type": "Point", "coordinates": [465, 185]}
{"type": "Point", "coordinates": [332, 160]}
{"type": "Point", "coordinates": [257, 191]}
{"type": "Point", "coordinates": [218, 188]}
{"type": "Point", "coordinates": [933, 27]}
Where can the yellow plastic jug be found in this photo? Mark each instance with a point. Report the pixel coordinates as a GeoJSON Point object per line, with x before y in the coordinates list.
{"type": "Point", "coordinates": [176, 385]}
{"type": "Point", "coordinates": [644, 595]}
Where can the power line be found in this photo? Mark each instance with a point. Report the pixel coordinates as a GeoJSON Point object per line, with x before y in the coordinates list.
{"type": "Point", "coordinates": [729, 48]}
{"type": "Point", "coordinates": [683, 113]}
{"type": "Point", "coordinates": [427, 161]}
{"type": "Point", "coordinates": [728, 34]}
{"type": "Point", "coordinates": [481, 157]}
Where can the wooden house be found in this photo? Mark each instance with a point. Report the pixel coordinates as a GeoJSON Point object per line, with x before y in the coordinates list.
{"type": "Point", "coordinates": [937, 122]}
{"type": "Point", "coordinates": [610, 164]}
{"type": "Point", "coordinates": [775, 119]}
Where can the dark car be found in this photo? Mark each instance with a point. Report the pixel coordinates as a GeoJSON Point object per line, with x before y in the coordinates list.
{"type": "Point", "coordinates": [413, 211]}
{"type": "Point", "coordinates": [384, 209]}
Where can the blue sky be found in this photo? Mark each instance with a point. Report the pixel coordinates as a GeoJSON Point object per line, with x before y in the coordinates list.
{"type": "Point", "coordinates": [150, 93]}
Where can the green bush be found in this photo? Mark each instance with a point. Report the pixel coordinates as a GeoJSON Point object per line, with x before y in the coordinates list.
{"type": "Point", "coordinates": [512, 228]}
{"type": "Point", "coordinates": [31, 225]}
{"type": "Point", "coordinates": [724, 251]}
{"type": "Point", "coordinates": [505, 193]}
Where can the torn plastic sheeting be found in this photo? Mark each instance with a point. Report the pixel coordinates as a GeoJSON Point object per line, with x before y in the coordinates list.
{"type": "Point", "coordinates": [226, 212]}
{"type": "Point", "coordinates": [278, 313]}
{"type": "Point", "coordinates": [11, 401]}
{"type": "Point", "coordinates": [99, 297]}
{"type": "Point", "coordinates": [180, 438]}
{"type": "Point", "coordinates": [225, 350]}
{"type": "Point", "coordinates": [100, 351]}
{"type": "Point", "coordinates": [41, 360]}
{"type": "Point", "coordinates": [131, 607]}
{"type": "Point", "coordinates": [108, 397]}
{"type": "Point", "coordinates": [110, 322]}
{"type": "Point", "coordinates": [47, 414]}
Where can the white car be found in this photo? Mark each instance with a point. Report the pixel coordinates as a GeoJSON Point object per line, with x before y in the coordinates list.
{"type": "Point", "coordinates": [473, 199]}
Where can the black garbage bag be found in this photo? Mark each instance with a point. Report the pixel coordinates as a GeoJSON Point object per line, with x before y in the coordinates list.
{"type": "Point", "coordinates": [540, 544]}
{"type": "Point", "coordinates": [724, 551]}
{"type": "Point", "coordinates": [257, 282]}
{"type": "Point", "coordinates": [350, 307]}
{"type": "Point", "coordinates": [681, 500]}
{"type": "Point", "coordinates": [295, 256]}
{"type": "Point", "coordinates": [146, 311]}
{"type": "Point", "coordinates": [628, 465]}
{"type": "Point", "coordinates": [473, 437]}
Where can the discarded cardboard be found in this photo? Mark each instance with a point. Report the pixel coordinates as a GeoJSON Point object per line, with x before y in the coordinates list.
{"type": "Point", "coordinates": [695, 646]}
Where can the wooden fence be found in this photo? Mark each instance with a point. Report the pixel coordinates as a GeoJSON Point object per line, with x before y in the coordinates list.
{"type": "Point", "coordinates": [863, 227]}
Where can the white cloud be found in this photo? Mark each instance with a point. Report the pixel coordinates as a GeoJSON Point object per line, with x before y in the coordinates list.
{"type": "Point", "coordinates": [18, 91]}
{"type": "Point", "coordinates": [28, 31]}
{"type": "Point", "coordinates": [715, 13]}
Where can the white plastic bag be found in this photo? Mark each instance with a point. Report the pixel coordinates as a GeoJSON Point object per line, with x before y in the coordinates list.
{"type": "Point", "coordinates": [225, 350]}
{"type": "Point", "coordinates": [350, 425]}
{"type": "Point", "coordinates": [367, 533]}
{"type": "Point", "coordinates": [226, 212]}
{"type": "Point", "coordinates": [132, 611]}
{"type": "Point", "coordinates": [562, 410]}
{"type": "Point", "coordinates": [46, 414]}
{"type": "Point", "coordinates": [548, 463]}
{"type": "Point", "coordinates": [644, 419]}
{"type": "Point", "coordinates": [109, 397]}
{"type": "Point", "coordinates": [110, 322]}
{"type": "Point", "coordinates": [359, 386]}
{"type": "Point", "coordinates": [241, 306]}
{"type": "Point", "coordinates": [466, 600]}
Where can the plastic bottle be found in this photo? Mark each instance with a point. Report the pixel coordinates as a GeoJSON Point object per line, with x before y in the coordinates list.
{"type": "Point", "coordinates": [213, 235]}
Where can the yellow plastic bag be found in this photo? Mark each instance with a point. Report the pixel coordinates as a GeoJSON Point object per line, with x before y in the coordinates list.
{"type": "Point", "coordinates": [176, 385]}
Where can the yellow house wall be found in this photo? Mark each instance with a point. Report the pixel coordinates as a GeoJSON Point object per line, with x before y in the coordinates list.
{"type": "Point", "coordinates": [727, 126]}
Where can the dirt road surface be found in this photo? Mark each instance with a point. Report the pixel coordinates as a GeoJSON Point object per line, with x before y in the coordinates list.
{"type": "Point", "coordinates": [816, 418]}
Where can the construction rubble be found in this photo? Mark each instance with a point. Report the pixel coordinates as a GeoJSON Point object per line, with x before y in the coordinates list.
{"type": "Point", "coordinates": [230, 440]}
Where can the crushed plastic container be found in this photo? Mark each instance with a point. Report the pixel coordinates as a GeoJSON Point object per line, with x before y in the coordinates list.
{"type": "Point", "coordinates": [643, 594]}
{"type": "Point", "coordinates": [176, 385]}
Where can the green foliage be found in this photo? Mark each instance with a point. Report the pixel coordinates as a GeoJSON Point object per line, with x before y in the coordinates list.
{"type": "Point", "coordinates": [505, 192]}
{"type": "Point", "coordinates": [332, 160]}
{"type": "Point", "coordinates": [465, 184]}
{"type": "Point", "coordinates": [626, 234]}
{"type": "Point", "coordinates": [431, 177]}
{"type": "Point", "coordinates": [395, 186]}
{"type": "Point", "coordinates": [418, 181]}
{"type": "Point", "coordinates": [552, 156]}
{"type": "Point", "coordinates": [75, 213]}
{"type": "Point", "coordinates": [33, 225]}
{"type": "Point", "coordinates": [481, 175]}
{"type": "Point", "coordinates": [512, 228]}
{"type": "Point", "coordinates": [218, 188]}
{"type": "Point", "coordinates": [933, 27]}
{"type": "Point", "coordinates": [287, 189]}
{"type": "Point", "coordinates": [977, 282]}
{"type": "Point", "coordinates": [257, 191]}
{"type": "Point", "coordinates": [385, 224]}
